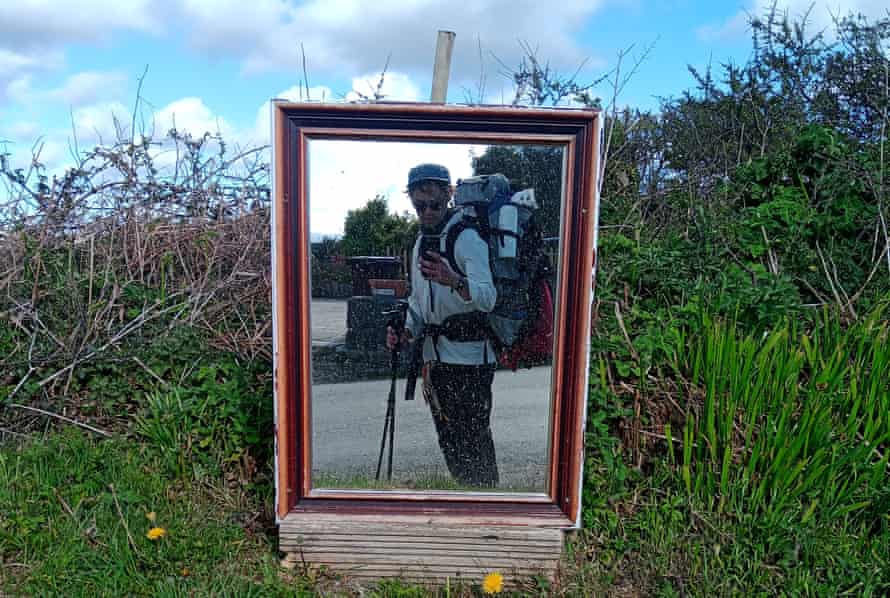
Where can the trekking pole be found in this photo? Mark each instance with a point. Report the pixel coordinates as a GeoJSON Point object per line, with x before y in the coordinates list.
{"type": "Point", "coordinates": [389, 421]}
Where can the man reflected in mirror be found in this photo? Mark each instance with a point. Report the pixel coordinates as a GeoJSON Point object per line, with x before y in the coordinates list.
{"type": "Point", "coordinates": [451, 291]}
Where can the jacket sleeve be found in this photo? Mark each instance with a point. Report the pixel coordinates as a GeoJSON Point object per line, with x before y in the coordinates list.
{"type": "Point", "coordinates": [471, 255]}
{"type": "Point", "coordinates": [414, 318]}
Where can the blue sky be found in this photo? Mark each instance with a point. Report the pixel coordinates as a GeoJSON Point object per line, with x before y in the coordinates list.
{"type": "Point", "coordinates": [216, 63]}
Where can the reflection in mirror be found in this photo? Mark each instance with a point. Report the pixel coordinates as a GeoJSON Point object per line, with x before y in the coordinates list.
{"type": "Point", "coordinates": [454, 247]}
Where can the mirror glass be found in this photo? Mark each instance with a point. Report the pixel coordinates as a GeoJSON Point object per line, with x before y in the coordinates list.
{"type": "Point", "coordinates": [480, 309]}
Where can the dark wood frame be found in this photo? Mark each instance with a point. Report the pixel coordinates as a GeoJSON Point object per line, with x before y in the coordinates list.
{"type": "Point", "coordinates": [293, 125]}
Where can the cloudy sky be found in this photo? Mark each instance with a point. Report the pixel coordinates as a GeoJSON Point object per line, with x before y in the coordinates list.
{"type": "Point", "coordinates": [67, 68]}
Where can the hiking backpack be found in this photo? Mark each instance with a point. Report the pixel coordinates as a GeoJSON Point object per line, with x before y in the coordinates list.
{"type": "Point", "coordinates": [521, 323]}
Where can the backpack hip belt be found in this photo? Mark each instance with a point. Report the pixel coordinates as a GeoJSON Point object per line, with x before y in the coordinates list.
{"type": "Point", "coordinates": [460, 328]}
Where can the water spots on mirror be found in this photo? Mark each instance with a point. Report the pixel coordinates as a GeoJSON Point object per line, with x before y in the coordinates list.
{"type": "Point", "coordinates": [468, 404]}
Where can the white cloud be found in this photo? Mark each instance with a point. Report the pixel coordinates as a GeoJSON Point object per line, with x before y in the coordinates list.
{"type": "Point", "coordinates": [298, 93]}
{"type": "Point", "coordinates": [19, 89]}
{"type": "Point", "coordinates": [16, 70]}
{"type": "Point", "coordinates": [42, 23]}
{"type": "Point", "coordinates": [14, 62]}
{"type": "Point", "coordinates": [193, 116]}
{"type": "Point", "coordinates": [95, 124]}
{"type": "Point", "coordinates": [34, 33]}
{"type": "Point", "coordinates": [21, 131]}
{"type": "Point", "coordinates": [262, 125]}
{"type": "Point", "coordinates": [396, 86]}
{"type": "Point", "coordinates": [88, 86]}
{"type": "Point", "coordinates": [221, 24]}
{"type": "Point", "coordinates": [53, 151]}
{"type": "Point", "coordinates": [820, 16]}
{"type": "Point", "coordinates": [104, 123]}
{"type": "Point", "coordinates": [339, 36]}
{"type": "Point", "coordinates": [353, 36]}
{"type": "Point", "coordinates": [80, 89]}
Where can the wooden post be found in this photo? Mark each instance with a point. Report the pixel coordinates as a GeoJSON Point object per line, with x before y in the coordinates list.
{"type": "Point", "coordinates": [442, 66]}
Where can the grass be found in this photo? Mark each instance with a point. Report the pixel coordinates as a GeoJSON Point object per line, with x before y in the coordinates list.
{"type": "Point", "coordinates": [775, 481]}
{"type": "Point", "coordinates": [793, 428]}
{"type": "Point", "coordinates": [654, 540]}
{"type": "Point", "coordinates": [61, 534]}
{"type": "Point", "coordinates": [73, 523]}
{"type": "Point", "coordinates": [74, 518]}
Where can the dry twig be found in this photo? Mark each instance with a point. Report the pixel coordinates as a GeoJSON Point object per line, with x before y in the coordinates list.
{"type": "Point", "coordinates": [60, 417]}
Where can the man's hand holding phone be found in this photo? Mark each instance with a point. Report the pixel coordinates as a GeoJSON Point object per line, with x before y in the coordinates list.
{"type": "Point", "coordinates": [437, 269]}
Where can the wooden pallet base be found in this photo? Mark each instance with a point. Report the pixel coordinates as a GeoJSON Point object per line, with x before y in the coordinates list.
{"type": "Point", "coordinates": [420, 548]}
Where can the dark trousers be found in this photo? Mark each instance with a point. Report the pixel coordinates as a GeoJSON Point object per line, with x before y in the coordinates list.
{"type": "Point", "coordinates": [463, 421]}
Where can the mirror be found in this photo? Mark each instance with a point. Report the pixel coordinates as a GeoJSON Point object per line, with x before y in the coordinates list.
{"type": "Point", "coordinates": [482, 426]}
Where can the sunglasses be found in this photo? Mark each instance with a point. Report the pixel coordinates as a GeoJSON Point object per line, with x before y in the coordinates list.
{"type": "Point", "coordinates": [420, 206]}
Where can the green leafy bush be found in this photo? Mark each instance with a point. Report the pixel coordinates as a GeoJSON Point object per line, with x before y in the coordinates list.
{"type": "Point", "coordinates": [223, 416]}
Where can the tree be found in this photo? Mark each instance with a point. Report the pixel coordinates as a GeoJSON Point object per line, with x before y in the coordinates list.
{"type": "Point", "coordinates": [373, 230]}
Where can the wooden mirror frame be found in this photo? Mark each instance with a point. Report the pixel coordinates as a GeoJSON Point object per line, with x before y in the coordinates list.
{"type": "Point", "coordinates": [294, 124]}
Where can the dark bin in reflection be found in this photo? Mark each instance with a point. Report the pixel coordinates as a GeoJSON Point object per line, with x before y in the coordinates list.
{"type": "Point", "coordinates": [366, 323]}
{"type": "Point", "coordinates": [365, 268]}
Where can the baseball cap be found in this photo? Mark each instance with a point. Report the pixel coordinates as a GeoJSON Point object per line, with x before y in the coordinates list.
{"type": "Point", "coordinates": [428, 172]}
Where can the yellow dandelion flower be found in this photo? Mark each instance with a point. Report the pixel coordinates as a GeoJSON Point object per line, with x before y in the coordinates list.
{"type": "Point", "coordinates": [156, 533]}
{"type": "Point", "coordinates": [151, 516]}
{"type": "Point", "coordinates": [493, 583]}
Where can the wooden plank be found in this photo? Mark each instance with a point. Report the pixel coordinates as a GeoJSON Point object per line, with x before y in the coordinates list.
{"type": "Point", "coordinates": [387, 540]}
{"type": "Point", "coordinates": [543, 568]}
{"type": "Point", "coordinates": [451, 544]}
{"type": "Point", "coordinates": [486, 552]}
{"type": "Point", "coordinates": [363, 544]}
{"type": "Point", "coordinates": [408, 554]}
{"type": "Point", "coordinates": [442, 561]}
{"type": "Point", "coordinates": [486, 536]}
{"type": "Point", "coordinates": [443, 564]}
{"type": "Point", "coordinates": [426, 532]}
{"type": "Point", "coordinates": [383, 525]}
{"type": "Point", "coordinates": [431, 549]}
{"type": "Point", "coordinates": [454, 547]}
{"type": "Point", "coordinates": [455, 544]}
{"type": "Point", "coordinates": [509, 536]}
{"type": "Point", "coordinates": [475, 572]}
{"type": "Point", "coordinates": [505, 559]}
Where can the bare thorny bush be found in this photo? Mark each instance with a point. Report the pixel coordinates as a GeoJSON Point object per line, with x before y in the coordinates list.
{"type": "Point", "coordinates": [139, 238]}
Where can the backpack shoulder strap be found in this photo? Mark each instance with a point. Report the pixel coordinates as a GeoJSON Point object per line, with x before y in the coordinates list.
{"type": "Point", "coordinates": [451, 238]}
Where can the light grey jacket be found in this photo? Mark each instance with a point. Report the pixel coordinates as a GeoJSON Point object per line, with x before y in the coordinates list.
{"type": "Point", "coordinates": [471, 255]}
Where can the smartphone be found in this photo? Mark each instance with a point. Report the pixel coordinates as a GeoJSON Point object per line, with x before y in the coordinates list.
{"type": "Point", "coordinates": [429, 243]}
